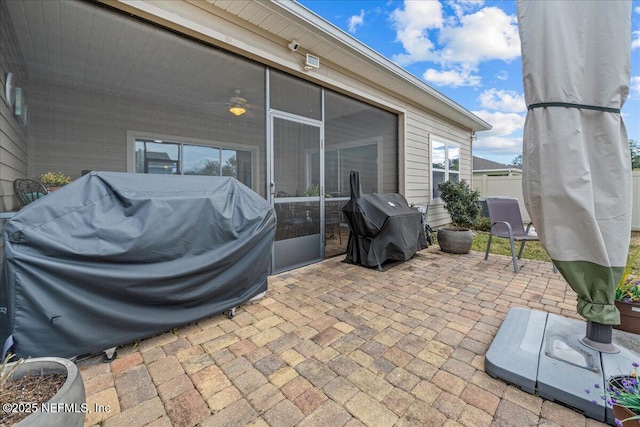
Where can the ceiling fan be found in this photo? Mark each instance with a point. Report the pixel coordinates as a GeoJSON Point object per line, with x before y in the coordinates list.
{"type": "Point", "coordinates": [237, 104]}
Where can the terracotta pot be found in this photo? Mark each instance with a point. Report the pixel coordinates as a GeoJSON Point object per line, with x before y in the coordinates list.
{"type": "Point", "coordinates": [455, 240]}
{"type": "Point", "coordinates": [52, 189]}
{"type": "Point", "coordinates": [629, 317]}
{"type": "Point", "coordinates": [621, 413]}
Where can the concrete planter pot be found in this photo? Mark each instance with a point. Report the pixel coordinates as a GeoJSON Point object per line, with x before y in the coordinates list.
{"type": "Point", "coordinates": [455, 240]}
{"type": "Point", "coordinates": [67, 407]}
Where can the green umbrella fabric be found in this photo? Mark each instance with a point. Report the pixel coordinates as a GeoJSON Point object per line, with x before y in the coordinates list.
{"type": "Point", "coordinates": [576, 62]}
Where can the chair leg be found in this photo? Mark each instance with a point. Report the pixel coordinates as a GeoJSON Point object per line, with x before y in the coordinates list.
{"type": "Point", "coordinates": [521, 249]}
{"type": "Point", "coordinates": [513, 255]}
{"type": "Point", "coordinates": [486, 254]}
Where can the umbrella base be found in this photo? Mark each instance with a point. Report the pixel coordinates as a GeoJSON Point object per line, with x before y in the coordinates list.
{"type": "Point", "coordinates": [602, 347]}
{"type": "Point", "coordinates": [544, 353]}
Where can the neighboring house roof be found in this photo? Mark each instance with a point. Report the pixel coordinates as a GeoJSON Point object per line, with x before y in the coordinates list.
{"type": "Point", "coordinates": [481, 165]}
{"type": "Point", "coordinates": [156, 155]}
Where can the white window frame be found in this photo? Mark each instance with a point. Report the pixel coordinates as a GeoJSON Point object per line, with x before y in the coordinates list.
{"type": "Point", "coordinates": [377, 141]}
{"type": "Point", "coordinates": [448, 145]}
{"type": "Point", "coordinates": [132, 136]}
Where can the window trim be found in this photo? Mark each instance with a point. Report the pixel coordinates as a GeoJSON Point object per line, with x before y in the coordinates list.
{"type": "Point", "coordinates": [447, 144]}
{"type": "Point", "coordinates": [132, 136]}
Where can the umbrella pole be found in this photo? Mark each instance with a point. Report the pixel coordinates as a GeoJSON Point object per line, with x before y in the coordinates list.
{"type": "Point", "coordinates": [599, 337]}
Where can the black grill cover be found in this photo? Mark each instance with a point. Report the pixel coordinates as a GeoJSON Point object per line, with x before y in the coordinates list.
{"type": "Point", "coordinates": [382, 227]}
{"type": "Point", "coordinates": [113, 258]}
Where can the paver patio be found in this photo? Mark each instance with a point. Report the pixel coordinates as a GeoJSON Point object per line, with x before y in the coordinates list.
{"type": "Point", "coordinates": [335, 344]}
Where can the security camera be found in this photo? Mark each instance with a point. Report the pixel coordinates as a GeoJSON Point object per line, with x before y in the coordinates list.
{"type": "Point", "coordinates": [294, 45]}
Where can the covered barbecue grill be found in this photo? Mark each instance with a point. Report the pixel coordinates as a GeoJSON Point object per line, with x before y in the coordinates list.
{"type": "Point", "coordinates": [113, 258]}
{"type": "Point", "coordinates": [382, 227]}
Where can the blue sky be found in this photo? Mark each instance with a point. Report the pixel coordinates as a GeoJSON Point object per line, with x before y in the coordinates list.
{"type": "Point", "coordinates": [469, 50]}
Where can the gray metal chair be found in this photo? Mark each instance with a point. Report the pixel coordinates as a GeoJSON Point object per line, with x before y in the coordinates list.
{"type": "Point", "coordinates": [506, 223]}
{"type": "Point", "coordinates": [28, 190]}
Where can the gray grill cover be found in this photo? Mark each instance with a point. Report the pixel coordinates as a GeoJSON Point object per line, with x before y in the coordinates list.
{"type": "Point", "coordinates": [382, 227]}
{"type": "Point", "coordinates": [113, 257]}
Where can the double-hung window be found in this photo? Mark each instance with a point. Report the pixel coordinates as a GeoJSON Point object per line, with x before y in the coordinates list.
{"type": "Point", "coordinates": [445, 164]}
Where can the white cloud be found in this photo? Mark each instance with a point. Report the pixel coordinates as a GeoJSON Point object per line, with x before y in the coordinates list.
{"type": "Point", "coordinates": [482, 36]}
{"type": "Point", "coordinates": [461, 6]}
{"type": "Point", "coordinates": [412, 25]}
{"type": "Point", "coordinates": [453, 78]}
{"type": "Point", "coordinates": [636, 40]}
{"type": "Point", "coordinates": [637, 9]}
{"type": "Point", "coordinates": [634, 88]}
{"type": "Point", "coordinates": [502, 75]}
{"type": "Point", "coordinates": [458, 42]}
{"type": "Point", "coordinates": [497, 145]}
{"type": "Point", "coordinates": [355, 21]}
{"type": "Point", "coordinates": [503, 100]}
{"type": "Point", "coordinates": [504, 124]}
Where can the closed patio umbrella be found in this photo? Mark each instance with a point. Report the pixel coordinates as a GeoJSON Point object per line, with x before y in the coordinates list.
{"type": "Point", "coordinates": [576, 162]}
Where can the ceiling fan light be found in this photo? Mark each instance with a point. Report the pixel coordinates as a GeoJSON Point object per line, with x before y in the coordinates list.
{"type": "Point", "coordinates": [237, 110]}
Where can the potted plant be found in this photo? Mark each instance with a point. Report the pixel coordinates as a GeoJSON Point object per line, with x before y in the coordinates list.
{"type": "Point", "coordinates": [54, 180]}
{"type": "Point", "coordinates": [628, 298]}
{"type": "Point", "coordinates": [42, 392]}
{"type": "Point", "coordinates": [463, 205]}
{"type": "Point", "coordinates": [622, 394]}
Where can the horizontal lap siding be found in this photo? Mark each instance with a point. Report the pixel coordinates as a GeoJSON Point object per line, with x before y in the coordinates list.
{"type": "Point", "coordinates": [13, 135]}
{"type": "Point", "coordinates": [420, 129]}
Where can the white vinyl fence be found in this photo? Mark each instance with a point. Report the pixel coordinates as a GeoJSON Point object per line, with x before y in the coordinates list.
{"type": "Point", "coordinates": [511, 186]}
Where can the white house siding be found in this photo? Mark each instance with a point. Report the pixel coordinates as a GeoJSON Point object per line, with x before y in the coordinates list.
{"type": "Point", "coordinates": [13, 135]}
{"type": "Point", "coordinates": [421, 128]}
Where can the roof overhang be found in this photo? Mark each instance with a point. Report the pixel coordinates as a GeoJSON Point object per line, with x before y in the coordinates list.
{"type": "Point", "coordinates": [375, 67]}
{"type": "Point", "coordinates": [275, 23]}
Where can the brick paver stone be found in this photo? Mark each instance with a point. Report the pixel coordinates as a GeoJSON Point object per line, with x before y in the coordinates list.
{"type": "Point", "coordinates": [327, 414]}
{"type": "Point", "coordinates": [420, 414]}
{"type": "Point", "coordinates": [106, 399]}
{"type": "Point", "coordinates": [265, 398]}
{"type": "Point", "coordinates": [398, 401]}
{"type": "Point", "coordinates": [209, 381]}
{"type": "Point", "coordinates": [284, 414]}
{"type": "Point", "coordinates": [238, 414]}
{"type": "Point", "coordinates": [511, 412]}
{"type": "Point", "coordinates": [370, 383]}
{"type": "Point", "coordinates": [249, 381]}
{"type": "Point", "coordinates": [223, 398]}
{"type": "Point", "coordinates": [309, 400]}
{"type": "Point", "coordinates": [139, 415]}
{"type": "Point", "coordinates": [165, 369]}
{"type": "Point", "coordinates": [125, 362]}
{"type": "Point", "coordinates": [315, 372]}
{"type": "Point", "coordinates": [174, 387]}
{"type": "Point", "coordinates": [340, 390]}
{"type": "Point", "coordinates": [187, 409]}
{"type": "Point", "coordinates": [370, 411]}
{"type": "Point", "coordinates": [132, 379]}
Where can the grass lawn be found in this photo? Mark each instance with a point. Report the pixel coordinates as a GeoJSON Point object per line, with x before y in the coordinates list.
{"type": "Point", "coordinates": [533, 250]}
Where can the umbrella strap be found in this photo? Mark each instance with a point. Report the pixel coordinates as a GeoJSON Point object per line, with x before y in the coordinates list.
{"type": "Point", "coordinates": [570, 105]}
